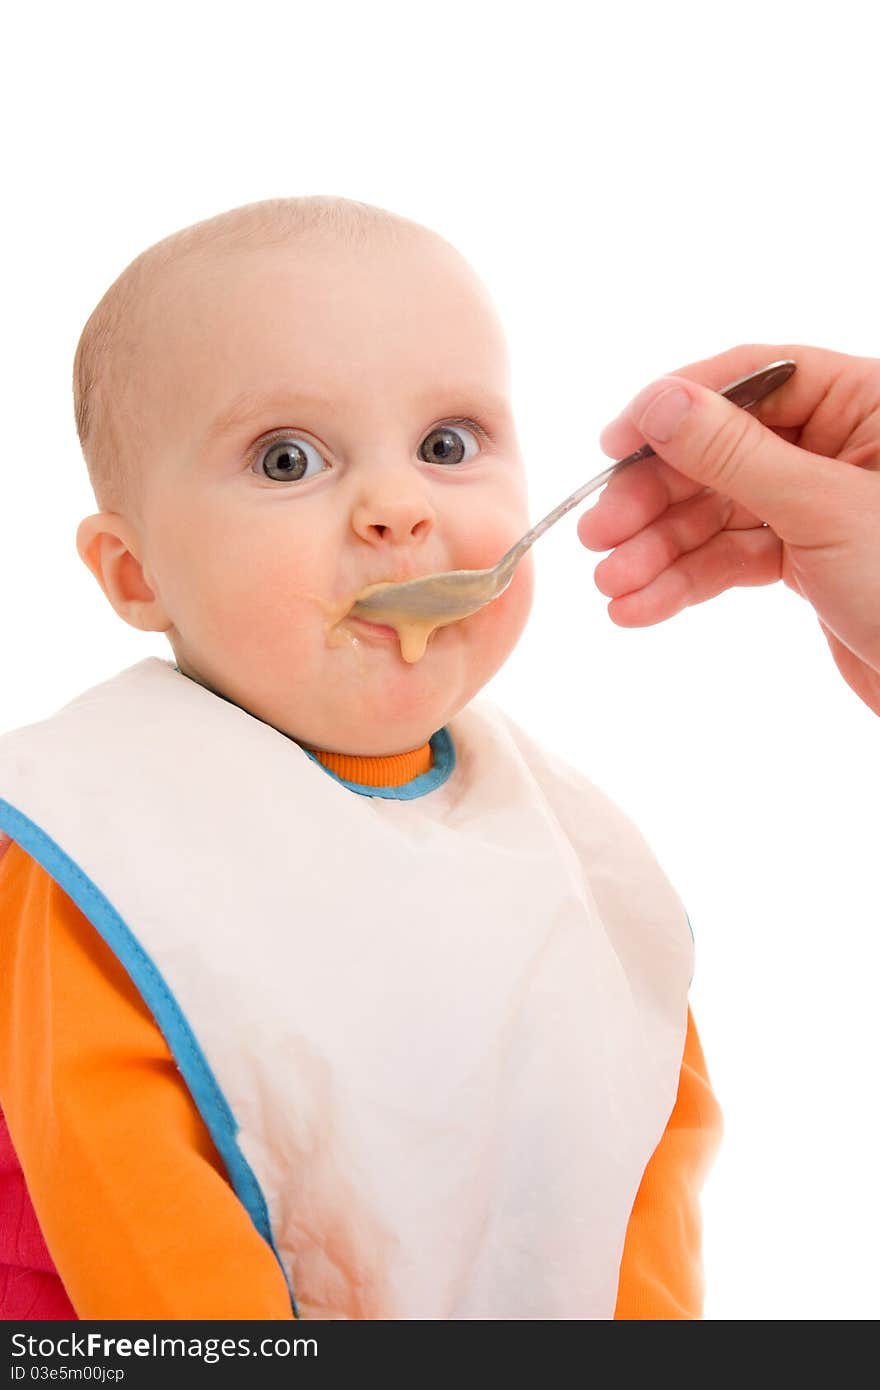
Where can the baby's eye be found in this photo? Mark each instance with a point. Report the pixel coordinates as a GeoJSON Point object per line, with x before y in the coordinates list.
{"type": "Point", "coordinates": [444, 445]}
{"type": "Point", "coordinates": [288, 459]}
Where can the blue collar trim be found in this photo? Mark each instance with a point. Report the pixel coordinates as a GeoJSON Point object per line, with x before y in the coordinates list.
{"type": "Point", "coordinates": [444, 764]}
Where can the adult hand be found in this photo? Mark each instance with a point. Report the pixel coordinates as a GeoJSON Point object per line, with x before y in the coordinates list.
{"type": "Point", "coordinates": [787, 490]}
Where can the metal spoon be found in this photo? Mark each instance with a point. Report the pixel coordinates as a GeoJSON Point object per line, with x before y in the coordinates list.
{"type": "Point", "coordinates": [443, 598]}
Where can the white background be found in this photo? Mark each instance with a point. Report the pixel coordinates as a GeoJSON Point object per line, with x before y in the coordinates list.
{"type": "Point", "coordinates": [639, 187]}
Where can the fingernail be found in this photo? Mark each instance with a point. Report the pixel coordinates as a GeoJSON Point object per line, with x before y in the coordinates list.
{"type": "Point", "coordinates": [665, 413]}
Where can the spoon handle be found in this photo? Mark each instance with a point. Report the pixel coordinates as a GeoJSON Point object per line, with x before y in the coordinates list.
{"type": "Point", "coordinates": [745, 391]}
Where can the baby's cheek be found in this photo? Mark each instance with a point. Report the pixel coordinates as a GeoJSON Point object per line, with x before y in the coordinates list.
{"type": "Point", "coordinates": [496, 628]}
{"type": "Point", "coordinates": [253, 602]}
{"type": "Point", "coordinates": [489, 537]}
{"type": "Point", "coordinates": [517, 597]}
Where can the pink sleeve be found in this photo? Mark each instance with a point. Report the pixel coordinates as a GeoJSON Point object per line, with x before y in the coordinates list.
{"type": "Point", "coordinates": [29, 1284]}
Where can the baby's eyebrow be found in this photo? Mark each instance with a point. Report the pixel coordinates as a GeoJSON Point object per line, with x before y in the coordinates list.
{"type": "Point", "coordinates": [252, 404]}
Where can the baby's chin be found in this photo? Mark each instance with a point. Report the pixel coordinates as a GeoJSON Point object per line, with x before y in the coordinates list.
{"type": "Point", "coordinates": [381, 704]}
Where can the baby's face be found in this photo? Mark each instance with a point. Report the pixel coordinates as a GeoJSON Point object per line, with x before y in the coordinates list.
{"type": "Point", "coordinates": [327, 419]}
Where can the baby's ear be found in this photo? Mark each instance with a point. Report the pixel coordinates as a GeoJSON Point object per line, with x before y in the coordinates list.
{"type": "Point", "coordinates": [108, 544]}
{"type": "Point", "coordinates": [96, 536]}
{"type": "Point", "coordinates": [86, 535]}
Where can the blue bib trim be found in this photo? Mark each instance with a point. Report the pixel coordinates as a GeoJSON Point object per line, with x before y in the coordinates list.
{"type": "Point", "coordinates": [204, 1088]}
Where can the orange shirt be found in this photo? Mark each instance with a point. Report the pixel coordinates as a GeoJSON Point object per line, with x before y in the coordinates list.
{"type": "Point", "coordinates": [128, 1189]}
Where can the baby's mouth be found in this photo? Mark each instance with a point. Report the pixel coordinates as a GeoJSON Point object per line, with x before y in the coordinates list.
{"type": "Point", "coordinates": [413, 632]}
{"type": "Point", "coordinates": [384, 628]}
{"type": "Point", "coordinates": [412, 635]}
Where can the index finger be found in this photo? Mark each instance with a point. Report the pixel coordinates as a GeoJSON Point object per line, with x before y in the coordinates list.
{"type": "Point", "coordinates": [631, 500]}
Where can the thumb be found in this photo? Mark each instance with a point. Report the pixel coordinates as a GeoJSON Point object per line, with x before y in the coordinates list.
{"type": "Point", "coordinates": [703, 435]}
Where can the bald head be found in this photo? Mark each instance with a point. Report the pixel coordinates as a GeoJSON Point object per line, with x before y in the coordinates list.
{"type": "Point", "coordinates": [111, 372]}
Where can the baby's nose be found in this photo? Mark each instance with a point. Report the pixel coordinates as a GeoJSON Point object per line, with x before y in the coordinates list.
{"type": "Point", "coordinates": [393, 509]}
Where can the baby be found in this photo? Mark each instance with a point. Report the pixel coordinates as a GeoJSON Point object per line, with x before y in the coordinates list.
{"type": "Point", "coordinates": [325, 990]}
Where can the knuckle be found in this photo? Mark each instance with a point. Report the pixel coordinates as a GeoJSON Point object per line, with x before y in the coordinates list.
{"type": "Point", "coordinates": [725, 453]}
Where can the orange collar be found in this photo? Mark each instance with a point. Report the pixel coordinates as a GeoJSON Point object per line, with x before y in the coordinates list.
{"type": "Point", "coordinates": [388, 770]}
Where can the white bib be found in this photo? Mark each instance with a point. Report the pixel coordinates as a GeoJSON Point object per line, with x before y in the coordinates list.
{"type": "Point", "coordinates": [436, 1037]}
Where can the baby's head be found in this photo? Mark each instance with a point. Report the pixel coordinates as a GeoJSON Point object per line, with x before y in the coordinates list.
{"type": "Point", "coordinates": [279, 407]}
